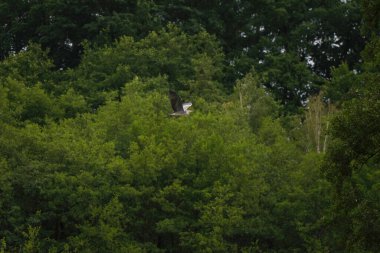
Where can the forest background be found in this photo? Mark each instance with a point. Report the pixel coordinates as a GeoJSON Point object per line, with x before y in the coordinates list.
{"type": "Point", "coordinates": [281, 153]}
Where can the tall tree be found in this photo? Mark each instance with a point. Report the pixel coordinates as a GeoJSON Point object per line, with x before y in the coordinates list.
{"type": "Point", "coordinates": [353, 161]}
{"type": "Point", "coordinates": [62, 26]}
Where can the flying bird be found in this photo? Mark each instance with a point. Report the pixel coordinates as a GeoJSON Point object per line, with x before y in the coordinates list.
{"type": "Point", "coordinates": [179, 108]}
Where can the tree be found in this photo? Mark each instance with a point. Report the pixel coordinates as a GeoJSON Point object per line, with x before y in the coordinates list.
{"type": "Point", "coordinates": [289, 80]}
{"type": "Point", "coordinates": [318, 116]}
{"type": "Point", "coordinates": [352, 162]}
{"type": "Point", "coordinates": [255, 101]}
{"type": "Point", "coordinates": [189, 62]}
{"type": "Point", "coordinates": [91, 160]}
{"type": "Point", "coordinates": [371, 10]}
{"type": "Point", "coordinates": [62, 26]}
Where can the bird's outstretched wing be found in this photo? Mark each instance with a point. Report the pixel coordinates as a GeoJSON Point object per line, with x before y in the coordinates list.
{"type": "Point", "coordinates": [175, 101]}
{"type": "Point", "coordinates": [186, 105]}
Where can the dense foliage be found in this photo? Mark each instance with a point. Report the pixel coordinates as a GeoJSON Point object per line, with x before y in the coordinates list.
{"type": "Point", "coordinates": [280, 154]}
